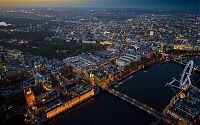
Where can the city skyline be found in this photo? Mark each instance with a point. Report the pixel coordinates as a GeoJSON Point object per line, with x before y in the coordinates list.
{"type": "Point", "coordinates": [158, 4]}
{"type": "Point", "coordinates": [75, 64]}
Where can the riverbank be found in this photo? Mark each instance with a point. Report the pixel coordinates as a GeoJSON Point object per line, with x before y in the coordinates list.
{"type": "Point", "coordinates": [130, 75]}
{"type": "Point", "coordinates": [147, 87]}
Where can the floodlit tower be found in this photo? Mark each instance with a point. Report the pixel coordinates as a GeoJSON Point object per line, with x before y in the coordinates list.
{"type": "Point", "coordinates": [92, 78]}
{"type": "Point", "coordinates": [30, 98]}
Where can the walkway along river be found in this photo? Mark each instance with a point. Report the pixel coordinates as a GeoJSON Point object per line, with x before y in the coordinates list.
{"type": "Point", "coordinates": [147, 86]}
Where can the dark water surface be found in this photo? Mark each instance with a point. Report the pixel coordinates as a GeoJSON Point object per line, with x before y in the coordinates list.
{"type": "Point", "coordinates": [147, 86]}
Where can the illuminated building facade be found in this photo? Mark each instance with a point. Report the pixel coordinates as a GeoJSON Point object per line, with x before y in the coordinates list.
{"type": "Point", "coordinates": [30, 98]}
{"type": "Point", "coordinates": [63, 106]}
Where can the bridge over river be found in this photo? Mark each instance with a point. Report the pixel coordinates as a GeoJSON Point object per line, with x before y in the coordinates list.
{"type": "Point", "coordinates": [150, 110]}
{"type": "Point", "coordinates": [142, 106]}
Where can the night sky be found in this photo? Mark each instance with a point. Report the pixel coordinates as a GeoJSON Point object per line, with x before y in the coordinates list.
{"type": "Point", "coordinates": [174, 4]}
{"type": "Point", "coordinates": [170, 4]}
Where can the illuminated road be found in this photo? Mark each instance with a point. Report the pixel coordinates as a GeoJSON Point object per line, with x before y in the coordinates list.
{"type": "Point", "coordinates": [142, 106]}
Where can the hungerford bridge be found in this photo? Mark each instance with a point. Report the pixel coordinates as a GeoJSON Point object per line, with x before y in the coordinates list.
{"type": "Point", "coordinates": [185, 80]}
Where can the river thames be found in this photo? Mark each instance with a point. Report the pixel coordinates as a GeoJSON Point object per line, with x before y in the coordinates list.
{"type": "Point", "coordinates": [147, 86]}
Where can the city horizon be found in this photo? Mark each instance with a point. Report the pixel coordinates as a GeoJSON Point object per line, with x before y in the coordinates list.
{"type": "Point", "coordinates": [102, 8]}
{"type": "Point", "coordinates": [99, 62]}
{"type": "Point", "coordinates": [143, 4]}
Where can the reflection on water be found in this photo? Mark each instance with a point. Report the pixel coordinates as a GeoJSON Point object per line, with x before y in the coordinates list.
{"type": "Point", "coordinates": [105, 109]}
{"type": "Point", "coordinates": [148, 86]}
